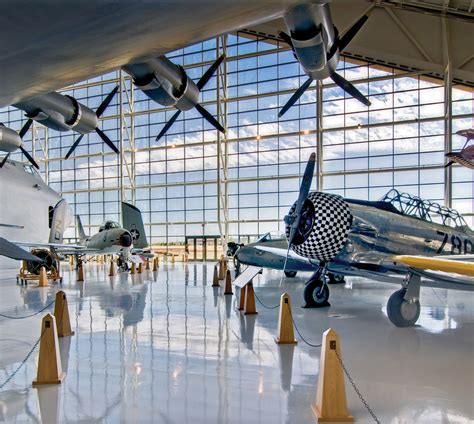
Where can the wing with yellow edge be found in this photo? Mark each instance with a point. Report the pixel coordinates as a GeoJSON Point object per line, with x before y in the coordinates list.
{"type": "Point", "coordinates": [462, 267]}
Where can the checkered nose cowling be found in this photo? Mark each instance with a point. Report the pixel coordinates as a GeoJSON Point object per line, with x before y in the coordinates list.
{"type": "Point", "coordinates": [325, 223]}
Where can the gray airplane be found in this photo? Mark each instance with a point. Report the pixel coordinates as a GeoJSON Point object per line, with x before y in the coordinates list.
{"type": "Point", "coordinates": [316, 46]}
{"type": "Point", "coordinates": [64, 113]}
{"type": "Point", "coordinates": [400, 235]}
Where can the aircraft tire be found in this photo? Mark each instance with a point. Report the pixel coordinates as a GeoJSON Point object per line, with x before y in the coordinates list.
{"type": "Point", "coordinates": [401, 312]}
{"type": "Point", "coordinates": [290, 274]}
{"type": "Point", "coordinates": [336, 279]}
{"type": "Point", "coordinates": [314, 296]}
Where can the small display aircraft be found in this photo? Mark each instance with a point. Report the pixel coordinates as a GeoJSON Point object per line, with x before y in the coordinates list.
{"type": "Point", "coordinates": [465, 157]}
{"type": "Point", "coordinates": [400, 235]}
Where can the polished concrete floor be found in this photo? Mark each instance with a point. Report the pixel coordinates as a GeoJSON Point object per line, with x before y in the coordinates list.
{"type": "Point", "coordinates": [166, 347]}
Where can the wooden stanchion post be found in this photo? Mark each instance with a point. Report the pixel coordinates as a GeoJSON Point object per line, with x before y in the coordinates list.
{"type": "Point", "coordinates": [61, 314]}
{"type": "Point", "coordinates": [43, 278]}
{"type": "Point", "coordinates": [221, 274]}
{"type": "Point", "coordinates": [249, 307]}
{"type": "Point", "coordinates": [49, 362]}
{"type": "Point", "coordinates": [140, 268]}
{"type": "Point", "coordinates": [285, 322]}
{"type": "Point", "coordinates": [331, 403]}
{"type": "Point", "coordinates": [228, 283]}
{"type": "Point", "coordinates": [147, 264]}
{"type": "Point", "coordinates": [80, 272]}
{"type": "Point", "coordinates": [132, 269]}
{"type": "Point", "coordinates": [215, 278]}
{"type": "Point", "coordinates": [155, 264]}
{"type": "Point", "coordinates": [112, 268]}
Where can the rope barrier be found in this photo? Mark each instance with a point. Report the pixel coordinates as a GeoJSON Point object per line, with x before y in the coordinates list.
{"type": "Point", "coordinates": [28, 316]}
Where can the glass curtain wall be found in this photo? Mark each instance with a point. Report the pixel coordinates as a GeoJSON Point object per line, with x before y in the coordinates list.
{"type": "Point", "coordinates": [396, 143]}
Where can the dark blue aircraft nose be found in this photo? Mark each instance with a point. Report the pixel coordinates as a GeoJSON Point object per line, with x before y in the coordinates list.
{"type": "Point", "coordinates": [126, 239]}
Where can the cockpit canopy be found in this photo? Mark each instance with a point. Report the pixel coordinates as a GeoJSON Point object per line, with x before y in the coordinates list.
{"type": "Point", "coordinates": [109, 225]}
{"type": "Point", "coordinates": [407, 204]}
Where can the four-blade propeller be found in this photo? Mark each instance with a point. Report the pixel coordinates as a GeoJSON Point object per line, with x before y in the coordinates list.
{"type": "Point", "coordinates": [100, 110]}
{"type": "Point", "coordinates": [22, 133]}
{"type": "Point", "coordinates": [341, 44]}
{"type": "Point", "coordinates": [294, 220]}
{"type": "Point", "coordinates": [204, 113]}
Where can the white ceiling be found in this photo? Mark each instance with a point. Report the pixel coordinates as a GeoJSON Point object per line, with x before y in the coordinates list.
{"type": "Point", "coordinates": [409, 34]}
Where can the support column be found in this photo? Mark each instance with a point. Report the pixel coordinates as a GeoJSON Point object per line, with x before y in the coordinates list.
{"type": "Point", "coordinates": [448, 113]}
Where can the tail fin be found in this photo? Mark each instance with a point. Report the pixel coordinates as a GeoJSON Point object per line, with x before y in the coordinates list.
{"type": "Point", "coordinates": [133, 222]}
{"type": "Point", "coordinates": [58, 221]}
{"type": "Point", "coordinates": [80, 230]}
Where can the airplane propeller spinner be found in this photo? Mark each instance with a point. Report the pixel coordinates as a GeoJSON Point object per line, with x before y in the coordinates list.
{"type": "Point", "coordinates": [10, 140]}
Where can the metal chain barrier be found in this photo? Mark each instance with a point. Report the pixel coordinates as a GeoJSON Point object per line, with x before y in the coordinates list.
{"type": "Point", "coordinates": [28, 316]}
{"type": "Point", "coordinates": [371, 412]}
{"type": "Point", "coordinates": [294, 323]}
{"type": "Point", "coordinates": [21, 363]}
{"type": "Point", "coordinates": [263, 304]}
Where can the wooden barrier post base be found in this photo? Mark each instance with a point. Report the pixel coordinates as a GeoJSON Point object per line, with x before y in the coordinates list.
{"type": "Point", "coordinates": [249, 306]}
{"type": "Point", "coordinates": [43, 278]}
{"type": "Point", "coordinates": [331, 403]}
{"type": "Point", "coordinates": [61, 314]}
{"type": "Point", "coordinates": [221, 274]}
{"type": "Point", "coordinates": [112, 268]}
{"type": "Point", "coordinates": [132, 269]}
{"type": "Point", "coordinates": [80, 273]}
{"type": "Point", "coordinates": [49, 360]}
{"type": "Point", "coordinates": [242, 298]}
{"type": "Point", "coordinates": [285, 322]}
{"type": "Point", "coordinates": [155, 264]}
{"type": "Point", "coordinates": [215, 277]}
{"type": "Point", "coordinates": [228, 283]}
{"type": "Point", "coordinates": [147, 264]}
{"type": "Point", "coordinates": [140, 268]}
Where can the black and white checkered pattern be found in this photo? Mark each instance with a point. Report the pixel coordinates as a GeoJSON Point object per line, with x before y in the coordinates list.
{"type": "Point", "coordinates": [332, 222]}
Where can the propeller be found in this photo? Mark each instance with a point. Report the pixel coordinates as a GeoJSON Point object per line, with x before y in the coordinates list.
{"type": "Point", "coordinates": [22, 133]}
{"type": "Point", "coordinates": [341, 44]}
{"type": "Point", "coordinates": [204, 113]}
{"type": "Point", "coordinates": [294, 219]}
{"type": "Point", "coordinates": [100, 110]}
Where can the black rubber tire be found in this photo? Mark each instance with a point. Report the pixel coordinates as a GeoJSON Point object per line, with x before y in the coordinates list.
{"type": "Point", "coordinates": [314, 296]}
{"type": "Point", "coordinates": [290, 274]}
{"type": "Point", "coordinates": [336, 279]}
{"type": "Point", "coordinates": [401, 312]}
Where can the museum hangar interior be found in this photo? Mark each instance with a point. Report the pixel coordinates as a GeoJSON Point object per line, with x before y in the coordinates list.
{"type": "Point", "coordinates": [170, 346]}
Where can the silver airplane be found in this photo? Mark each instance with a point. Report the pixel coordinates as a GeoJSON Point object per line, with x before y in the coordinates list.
{"type": "Point", "coordinates": [64, 113]}
{"type": "Point", "coordinates": [316, 46]}
{"type": "Point", "coordinates": [400, 235]}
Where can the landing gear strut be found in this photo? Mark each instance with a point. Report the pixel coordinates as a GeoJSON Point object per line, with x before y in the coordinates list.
{"type": "Point", "coordinates": [316, 291]}
{"type": "Point", "coordinates": [403, 306]}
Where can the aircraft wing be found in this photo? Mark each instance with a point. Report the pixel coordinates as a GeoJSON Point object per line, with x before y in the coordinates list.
{"type": "Point", "coordinates": [282, 252]}
{"type": "Point", "coordinates": [456, 266]}
{"type": "Point", "coordinates": [12, 251]}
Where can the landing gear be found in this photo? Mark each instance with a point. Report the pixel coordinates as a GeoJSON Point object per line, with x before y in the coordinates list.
{"type": "Point", "coordinates": [403, 306]}
{"type": "Point", "coordinates": [236, 265]}
{"type": "Point", "coordinates": [316, 291]}
{"type": "Point", "coordinates": [290, 274]}
{"type": "Point", "coordinates": [336, 279]}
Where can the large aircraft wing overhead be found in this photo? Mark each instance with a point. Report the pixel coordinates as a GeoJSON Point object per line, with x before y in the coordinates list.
{"type": "Point", "coordinates": [14, 252]}
{"type": "Point", "coordinates": [437, 264]}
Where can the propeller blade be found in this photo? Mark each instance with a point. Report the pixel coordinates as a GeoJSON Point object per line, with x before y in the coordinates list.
{"type": "Point", "coordinates": [168, 125]}
{"type": "Point", "coordinates": [4, 159]}
{"type": "Point", "coordinates": [304, 190]}
{"type": "Point", "coordinates": [449, 164]}
{"type": "Point", "coordinates": [349, 88]}
{"type": "Point", "coordinates": [25, 128]}
{"type": "Point", "coordinates": [351, 32]}
{"type": "Point", "coordinates": [294, 98]}
{"type": "Point", "coordinates": [100, 110]}
{"type": "Point", "coordinates": [209, 118]}
{"type": "Point", "coordinates": [286, 38]}
{"type": "Point", "coordinates": [28, 156]}
{"type": "Point", "coordinates": [73, 147]}
{"type": "Point", "coordinates": [107, 140]}
{"type": "Point", "coordinates": [209, 73]}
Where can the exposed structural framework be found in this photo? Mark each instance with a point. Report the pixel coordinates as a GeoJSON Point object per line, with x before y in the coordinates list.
{"type": "Point", "coordinates": [240, 182]}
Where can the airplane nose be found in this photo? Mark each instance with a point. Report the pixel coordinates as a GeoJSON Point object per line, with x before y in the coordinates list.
{"type": "Point", "coordinates": [126, 239]}
{"type": "Point", "coordinates": [324, 227]}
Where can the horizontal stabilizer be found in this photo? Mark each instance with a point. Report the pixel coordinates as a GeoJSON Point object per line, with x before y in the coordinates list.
{"type": "Point", "coordinates": [12, 251]}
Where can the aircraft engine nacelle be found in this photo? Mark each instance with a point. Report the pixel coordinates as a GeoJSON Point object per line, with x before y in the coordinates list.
{"type": "Point", "coordinates": [61, 113]}
{"type": "Point", "coordinates": [49, 261]}
{"type": "Point", "coordinates": [9, 139]}
{"type": "Point", "coordinates": [314, 38]}
{"type": "Point", "coordinates": [165, 83]}
{"type": "Point", "coordinates": [324, 227]}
